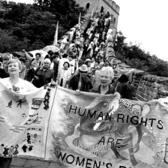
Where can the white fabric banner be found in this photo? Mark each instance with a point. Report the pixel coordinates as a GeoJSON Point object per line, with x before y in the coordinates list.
{"type": "Point", "coordinates": [84, 130]}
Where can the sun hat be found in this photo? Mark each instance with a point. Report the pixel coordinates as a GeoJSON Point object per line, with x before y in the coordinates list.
{"type": "Point", "coordinates": [88, 60]}
{"type": "Point", "coordinates": [47, 60]}
{"type": "Point", "coordinates": [83, 68]}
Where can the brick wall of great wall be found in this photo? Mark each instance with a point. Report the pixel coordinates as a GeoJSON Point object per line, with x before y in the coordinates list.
{"type": "Point", "coordinates": [149, 87]}
{"type": "Point", "coordinates": [21, 162]}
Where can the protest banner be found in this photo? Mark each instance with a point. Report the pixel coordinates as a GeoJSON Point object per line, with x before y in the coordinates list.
{"type": "Point", "coordinates": [84, 130]}
{"type": "Point", "coordinates": [23, 122]}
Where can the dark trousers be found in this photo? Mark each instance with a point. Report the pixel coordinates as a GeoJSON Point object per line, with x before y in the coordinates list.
{"type": "Point", "coordinates": [5, 162]}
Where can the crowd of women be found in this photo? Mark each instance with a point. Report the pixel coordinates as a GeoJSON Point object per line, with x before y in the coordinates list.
{"type": "Point", "coordinates": [83, 62]}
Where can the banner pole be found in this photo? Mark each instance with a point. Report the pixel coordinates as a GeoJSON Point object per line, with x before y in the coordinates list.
{"type": "Point", "coordinates": [56, 34]}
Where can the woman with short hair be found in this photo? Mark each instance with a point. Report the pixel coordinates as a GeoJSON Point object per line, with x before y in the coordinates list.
{"type": "Point", "coordinates": [64, 75]}
{"type": "Point", "coordinates": [106, 76]}
{"type": "Point", "coordinates": [17, 85]}
{"type": "Point", "coordinates": [14, 82]}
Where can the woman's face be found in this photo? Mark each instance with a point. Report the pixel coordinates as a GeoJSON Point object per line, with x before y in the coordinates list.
{"type": "Point", "coordinates": [34, 64]}
{"type": "Point", "coordinates": [66, 66]}
{"type": "Point", "coordinates": [105, 79]}
{"type": "Point", "coordinates": [89, 64]}
{"type": "Point", "coordinates": [46, 65]}
{"type": "Point", "coordinates": [38, 56]}
{"type": "Point", "coordinates": [13, 68]}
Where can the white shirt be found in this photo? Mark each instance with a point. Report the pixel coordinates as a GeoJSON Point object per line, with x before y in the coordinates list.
{"type": "Point", "coordinates": [61, 62]}
{"type": "Point", "coordinates": [22, 86]}
{"type": "Point", "coordinates": [65, 76]}
{"type": "Point", "coordinates": [72, 66]}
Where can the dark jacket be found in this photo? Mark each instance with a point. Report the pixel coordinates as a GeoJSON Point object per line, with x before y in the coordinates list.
{"type": "Point", "coordinates": [126, 90]}
{"type": "Point", "coordinates": [42, 77]}
{"type": "Point", "coordinates": [56, 65]}
{"type": "Point", "coordinates": [30, 74]}
{"type": "Point", "coordinates": [3, 73]}
{"type": "Point", "coordinates": [111, 90]}
{"type": "Point", "coordinates": [86, 84]}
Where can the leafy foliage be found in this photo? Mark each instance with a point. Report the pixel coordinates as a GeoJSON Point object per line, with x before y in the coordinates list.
{"type": "Point", "coordinates": [134, 56]}
{"type": "Point", "coordinates": [33, 26]}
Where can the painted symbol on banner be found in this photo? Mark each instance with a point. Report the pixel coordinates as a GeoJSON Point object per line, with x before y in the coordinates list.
{"type": "Point", "coordinates": [9, 151]}
{"type": "Point", "coordinates": [24, 115]}
{"type": "Point", "coordinates": [46, 99]}
{"type": "Point", "coordinates": [10, 104]}
{"type": "Point", "coordinates": [20, 102]}
{"type": "Point", "coordinates": [166, 152]}
{"type": "Point", "coordinates": [28, 138]}
{"type": "Point", "coordinates": [6, 151]}
{"type": "Point", "coordinates": [26, 148]}
{"type": "Point", "coordinates": [16, 150]}
{"type": "Point", "coordinates": [36, 103]}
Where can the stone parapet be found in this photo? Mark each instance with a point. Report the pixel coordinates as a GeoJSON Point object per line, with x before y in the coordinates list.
{"type": "Point", "coordinates": [149, 87]}
{"type": "Point", "coordinates": [21, 162]}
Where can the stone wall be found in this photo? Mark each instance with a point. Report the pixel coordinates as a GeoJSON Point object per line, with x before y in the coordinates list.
{"type": "Point", "coordinates": [149, 87]}
{"type": "Point", "coordinates": [21, 162]}
{"type": "Point", "coordinates": [95, 5]}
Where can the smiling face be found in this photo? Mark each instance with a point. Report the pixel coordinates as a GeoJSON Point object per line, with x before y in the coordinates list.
{"type": "Point", "coordinates": [38, 56]}
{"type": "Point", "coordinates": [106, 76]}
{"type": "Point", "coordinates": [46, 64]}
{"type": "Point", "coordinates": [66, 66]}
{"type": "Point", "coordinates": [13, 68]}
{"type": "Point", "coordinates": [105, 79]}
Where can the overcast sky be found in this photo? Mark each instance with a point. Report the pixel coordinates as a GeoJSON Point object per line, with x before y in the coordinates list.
{"type": "Point", "coordinates": [145, 23]}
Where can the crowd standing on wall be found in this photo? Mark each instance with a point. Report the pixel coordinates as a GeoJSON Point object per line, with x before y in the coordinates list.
{"type": "Point", "coordinates": [84, 61]}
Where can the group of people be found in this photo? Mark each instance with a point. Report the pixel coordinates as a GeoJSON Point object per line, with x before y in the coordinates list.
{"type": "Point", "coordinates": [83, 63]}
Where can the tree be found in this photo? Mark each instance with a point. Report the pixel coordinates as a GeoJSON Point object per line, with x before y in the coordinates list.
{"type": "Point", "coordinates": [134, 56]}
{"type": "Point", "coordinates": [66, 11]}
{"type": "Point", "coordinates": [33, 26]}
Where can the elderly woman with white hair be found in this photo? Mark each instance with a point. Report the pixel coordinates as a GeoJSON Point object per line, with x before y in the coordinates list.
{"type": "Point", "coordinates": [106, 76]}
